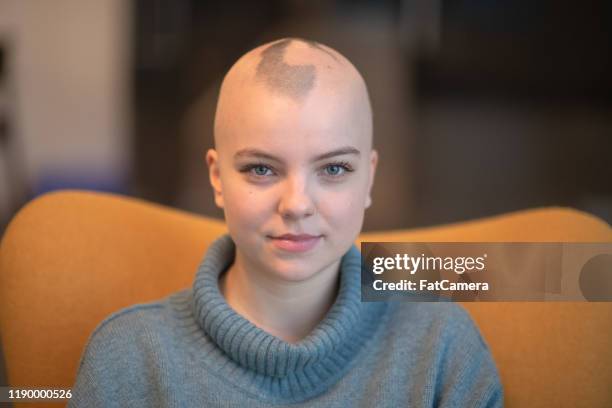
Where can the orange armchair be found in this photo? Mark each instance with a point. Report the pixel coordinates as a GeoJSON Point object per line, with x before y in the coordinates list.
{"type": "Point", "coordinates": [68, 259]}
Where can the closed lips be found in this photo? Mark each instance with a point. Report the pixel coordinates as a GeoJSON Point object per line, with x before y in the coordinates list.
{"type": "Point", "coordinates": [300, 237]}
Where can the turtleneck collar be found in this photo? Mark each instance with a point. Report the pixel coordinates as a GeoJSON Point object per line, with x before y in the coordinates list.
{"type": "Point", "coordinates": [305, 366]}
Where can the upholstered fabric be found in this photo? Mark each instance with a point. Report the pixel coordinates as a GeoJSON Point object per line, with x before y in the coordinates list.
{"type": "Point", "coordinates": [69, 259]}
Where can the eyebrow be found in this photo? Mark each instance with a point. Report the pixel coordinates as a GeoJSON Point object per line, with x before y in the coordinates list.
{"type": "Point", "coordinates": [263, 155]}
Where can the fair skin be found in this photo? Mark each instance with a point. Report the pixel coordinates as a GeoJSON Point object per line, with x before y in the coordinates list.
{"type": "Point", "coordinates": [293, 170]}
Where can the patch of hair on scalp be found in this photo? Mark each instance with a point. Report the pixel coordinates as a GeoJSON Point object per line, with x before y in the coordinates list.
{"type": "Point", "coordinates": [295, 81]}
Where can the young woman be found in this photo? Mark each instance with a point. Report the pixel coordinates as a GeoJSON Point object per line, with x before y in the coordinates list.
{"type": "Point", "coordinates": [274, 316]}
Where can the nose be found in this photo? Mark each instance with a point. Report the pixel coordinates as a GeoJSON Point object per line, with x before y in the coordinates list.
{"type": "Point", "coordinates": [295, 201]}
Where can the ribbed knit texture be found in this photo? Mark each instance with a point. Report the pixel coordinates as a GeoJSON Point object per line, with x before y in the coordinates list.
{"type": "Point", "coordinates": [192, 349]}
{"type": "Point", "coordinates": [292, 370]}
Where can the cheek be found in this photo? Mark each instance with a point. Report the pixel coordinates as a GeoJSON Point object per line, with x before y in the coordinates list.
{"type": "Point", "coordinates": [244, 206]}
{"type": "Point", "coordinates": [343, 209]}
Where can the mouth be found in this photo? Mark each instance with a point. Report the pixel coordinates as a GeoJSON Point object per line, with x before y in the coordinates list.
{"type": "Point", "coordinates": [295, 242]}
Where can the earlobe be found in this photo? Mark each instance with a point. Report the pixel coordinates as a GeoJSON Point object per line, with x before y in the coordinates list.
{"type": "Point", "coordinates": [212, 161]}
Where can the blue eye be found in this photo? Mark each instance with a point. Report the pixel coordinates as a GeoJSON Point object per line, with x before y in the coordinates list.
{"type": "Point", "coordinates": [258, 172]}
{"type": "Point", "coordinates": [261, 170]}
{"type": "Point", "coordinates": [334, 169]}
{"type": "Point", "coordinates": [337, 170]}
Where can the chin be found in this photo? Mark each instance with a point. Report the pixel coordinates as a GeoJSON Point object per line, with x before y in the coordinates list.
{"type": "Point", "coordinates": [295, 270]}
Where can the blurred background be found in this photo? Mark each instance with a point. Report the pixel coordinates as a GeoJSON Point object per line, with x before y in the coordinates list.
{"type": "Point", "coordinates": [480, 107]}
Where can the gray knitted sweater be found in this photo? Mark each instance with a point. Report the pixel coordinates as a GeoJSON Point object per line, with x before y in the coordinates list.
{"type": "Point", "coordinates": [192, 350]}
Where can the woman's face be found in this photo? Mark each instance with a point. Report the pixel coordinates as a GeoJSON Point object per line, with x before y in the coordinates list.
{"type": "Point", "coordinates": [294, 180]}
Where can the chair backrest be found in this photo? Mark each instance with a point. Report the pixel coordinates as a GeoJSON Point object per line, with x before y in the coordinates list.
{"type": "Point", "coordinates": [555, 354]}
{"type": "Point", "coordinates": [68, 259]}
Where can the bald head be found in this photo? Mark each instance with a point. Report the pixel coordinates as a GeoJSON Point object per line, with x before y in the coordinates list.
{"type": "Point", "coordinates": [295, 74]}
{"type": "Point", "coordinates": [295, 81]}
{"type": "Point", "coordinates": [293, 130]}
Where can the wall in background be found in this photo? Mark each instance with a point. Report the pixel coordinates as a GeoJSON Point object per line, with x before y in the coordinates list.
{"type": "Point", "coordinates": [70, 86]}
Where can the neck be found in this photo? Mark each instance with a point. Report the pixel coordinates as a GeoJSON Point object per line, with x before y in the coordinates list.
{"type": "Point", "coordinates": [288, 310]}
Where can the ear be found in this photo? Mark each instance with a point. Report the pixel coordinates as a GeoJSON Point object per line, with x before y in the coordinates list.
{"type": "Point", "coordinates": [212, 160]}
{"type": "Point", "coordinates": [373, 164]}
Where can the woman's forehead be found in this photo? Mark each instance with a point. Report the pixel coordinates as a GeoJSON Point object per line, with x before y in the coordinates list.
{"type": "Point", "coordinates": [321, 128]}
{"type": "Point", "coordinates": [310, 147]}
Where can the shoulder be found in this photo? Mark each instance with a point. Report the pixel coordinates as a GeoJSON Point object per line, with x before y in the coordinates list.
{"type": "Point", "coordinates": [452, 351]}
{"type": "Point", "coordinates": [131, 329]}
{"type": "Point", "coordinates": [126, 356]}
{"type": "Point", "coordinates": [128, 319]}
{"type": "Point", "coordinates": [446, 320]}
